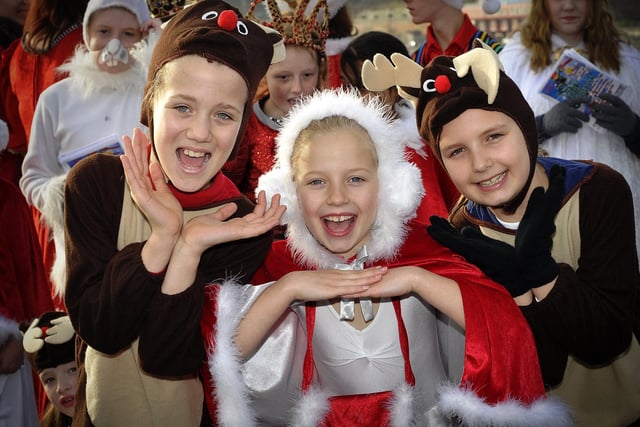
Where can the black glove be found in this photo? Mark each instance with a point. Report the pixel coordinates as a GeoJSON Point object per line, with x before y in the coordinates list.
{"type": "Point", "coordinates": [614, 115]}
{"type": "Point", "coordinates": [563, 117]}
{"type": "Point", "coordinates": [495, 258]}
{"type": "Point", "coordinates": [535, 233]}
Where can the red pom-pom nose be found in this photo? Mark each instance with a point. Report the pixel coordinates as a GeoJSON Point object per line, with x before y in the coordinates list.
{"type": "Point", "coordinates": [227, 20]}
{"type": "Point", "coordinates": [442, 84]}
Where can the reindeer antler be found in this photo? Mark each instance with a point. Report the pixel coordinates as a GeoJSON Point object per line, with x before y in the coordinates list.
{"type": "Point", "coordinates": [382, 74]}
{"type": "Point", "coordinates": [378, 75]}
{"type": "Point", "coordinates": [485, 67]}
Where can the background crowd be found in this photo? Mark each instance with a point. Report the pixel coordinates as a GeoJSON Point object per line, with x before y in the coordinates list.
{"type": "Point", "coordinates": [211, 212]}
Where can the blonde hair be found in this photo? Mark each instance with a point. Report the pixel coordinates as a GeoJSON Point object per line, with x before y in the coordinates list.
{"type": "Point", "coordinates": [601, 37]}
{"type": "Point", "coordinates": [323, 126]}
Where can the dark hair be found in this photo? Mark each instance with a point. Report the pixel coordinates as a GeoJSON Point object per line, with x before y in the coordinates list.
{"type": "Point", "coordinates": [341, 24]}
{"type": "Point", "coordinates": [364, 47]}
{"type": "Point", "coordinates": [49, 19]}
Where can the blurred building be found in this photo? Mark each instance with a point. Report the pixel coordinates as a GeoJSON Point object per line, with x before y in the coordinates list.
{"type": "Point", "coordinates": [395, 19]}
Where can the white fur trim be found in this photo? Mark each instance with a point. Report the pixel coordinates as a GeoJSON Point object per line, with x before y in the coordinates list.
{"type": "Point", "coordinates": [231, 393]}
{"type": "Point", "coordinates": [407, 128]}
{"type": "Point", "coordinates": [402, 406]}
{"type": "Point", "coordinates": [337, 46]}
{"type": "Point", "coordinates": [310, 409]}
{"type": "Point", "coordinates": [472, 411]}
{"type": "Point", "coordinates": [88, 80]}
{"type": "Point", "coordinates": [400, 182]}
{"type": "Point", "coordinates": [53, 215]}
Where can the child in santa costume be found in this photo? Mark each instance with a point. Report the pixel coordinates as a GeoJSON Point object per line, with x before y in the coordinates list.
{"type": "Point", "coordinates": [100, 100]}
{"type": "Point", "coordinates": [363, 319]}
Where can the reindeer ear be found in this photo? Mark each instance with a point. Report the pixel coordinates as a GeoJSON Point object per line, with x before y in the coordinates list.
{"type": "Point", "coordinates": [279, 50]}
{"type": "Point", "coordinates": [485, 67]}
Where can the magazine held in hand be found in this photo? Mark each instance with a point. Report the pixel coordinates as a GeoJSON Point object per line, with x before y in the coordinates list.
{"type": "Point", "coordinates": [109, 144]}
{"type": "Point", "coordinates": [574, 76]}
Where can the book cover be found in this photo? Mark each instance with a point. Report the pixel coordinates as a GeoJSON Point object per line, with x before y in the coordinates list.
{"type": "Point", "coordinates": [575, 76]}
{"type": "Point", "coordinates": [109, 144]}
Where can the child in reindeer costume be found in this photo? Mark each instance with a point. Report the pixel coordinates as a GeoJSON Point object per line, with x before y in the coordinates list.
{"type": "Point", "coordinates": [557, 234]}
{"type": "Point", "coordinates": [146, 231]}
{"type": "Point", "coordinates": [363, 319]}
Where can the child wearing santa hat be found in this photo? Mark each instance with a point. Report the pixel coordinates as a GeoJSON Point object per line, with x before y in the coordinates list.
{"type": "Point", "coordinates": [363, 318]}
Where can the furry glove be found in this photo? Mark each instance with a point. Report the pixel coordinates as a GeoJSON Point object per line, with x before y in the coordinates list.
{"type": "Point", "coordinates": [495, 258]}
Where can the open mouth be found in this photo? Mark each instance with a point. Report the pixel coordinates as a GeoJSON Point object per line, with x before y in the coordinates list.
{"type": "Point", "coordinates": [191, 159]}
{"type": "Point", "coordinates": [68, 401]}
{"type": "Point", "coordinates": [339, 225]}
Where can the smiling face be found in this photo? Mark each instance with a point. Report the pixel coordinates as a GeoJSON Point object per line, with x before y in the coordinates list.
{"type": "Point", "coordinates": [60, 386]}
{"type": "Point", "coordinates": [568, 18]}
{"type": "Point", "coordinates": [486, 156]}
{"type": "Point", "coordinates": [291, 79]}
{"type": "Point", "coordinates": [197, 113]}
{"type": "Point", "coordinates": [108, 24]}
{"type": "Point", "coordinates": [336, 178]}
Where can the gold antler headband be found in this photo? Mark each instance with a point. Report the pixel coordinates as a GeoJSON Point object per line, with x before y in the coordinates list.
{"type": "Point", "coordinates": [296, 28]}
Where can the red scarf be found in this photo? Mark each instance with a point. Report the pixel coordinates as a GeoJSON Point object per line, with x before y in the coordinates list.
{"type": "Point", "coordinates": [221, 188]}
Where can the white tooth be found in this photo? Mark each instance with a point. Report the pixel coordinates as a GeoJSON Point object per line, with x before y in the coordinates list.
{"type": "Point", "coordinates": [192, 153]}
{"type": "Point", "coordinates": [492, 180]}
{"type": "Point", "coordinates": [338, 218]}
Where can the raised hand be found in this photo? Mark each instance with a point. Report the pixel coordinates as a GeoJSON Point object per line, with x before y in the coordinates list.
{"type": "Point", "coordinates": [563, 117]}
{"type": "Point", "coordinates": [318, 285]}
{"type": "Point", "coordinates": [148, 187]}
{"type": "Point", "coordinates": [495, 258]}
{"type": "Point", "coordinates": [615, 115]}
{"type": "Point", "coordinates": [151, 194]}
{"type": "Point", "coordinates": [534, 238]}
{"type": "Point", "coordinates": [205, 231]}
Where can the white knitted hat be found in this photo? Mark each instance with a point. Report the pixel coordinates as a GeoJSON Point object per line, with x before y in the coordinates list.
{"type": "Point", "coordinates": [138, 7]}
{"type": "Point", "coordinates": [400, 188]}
